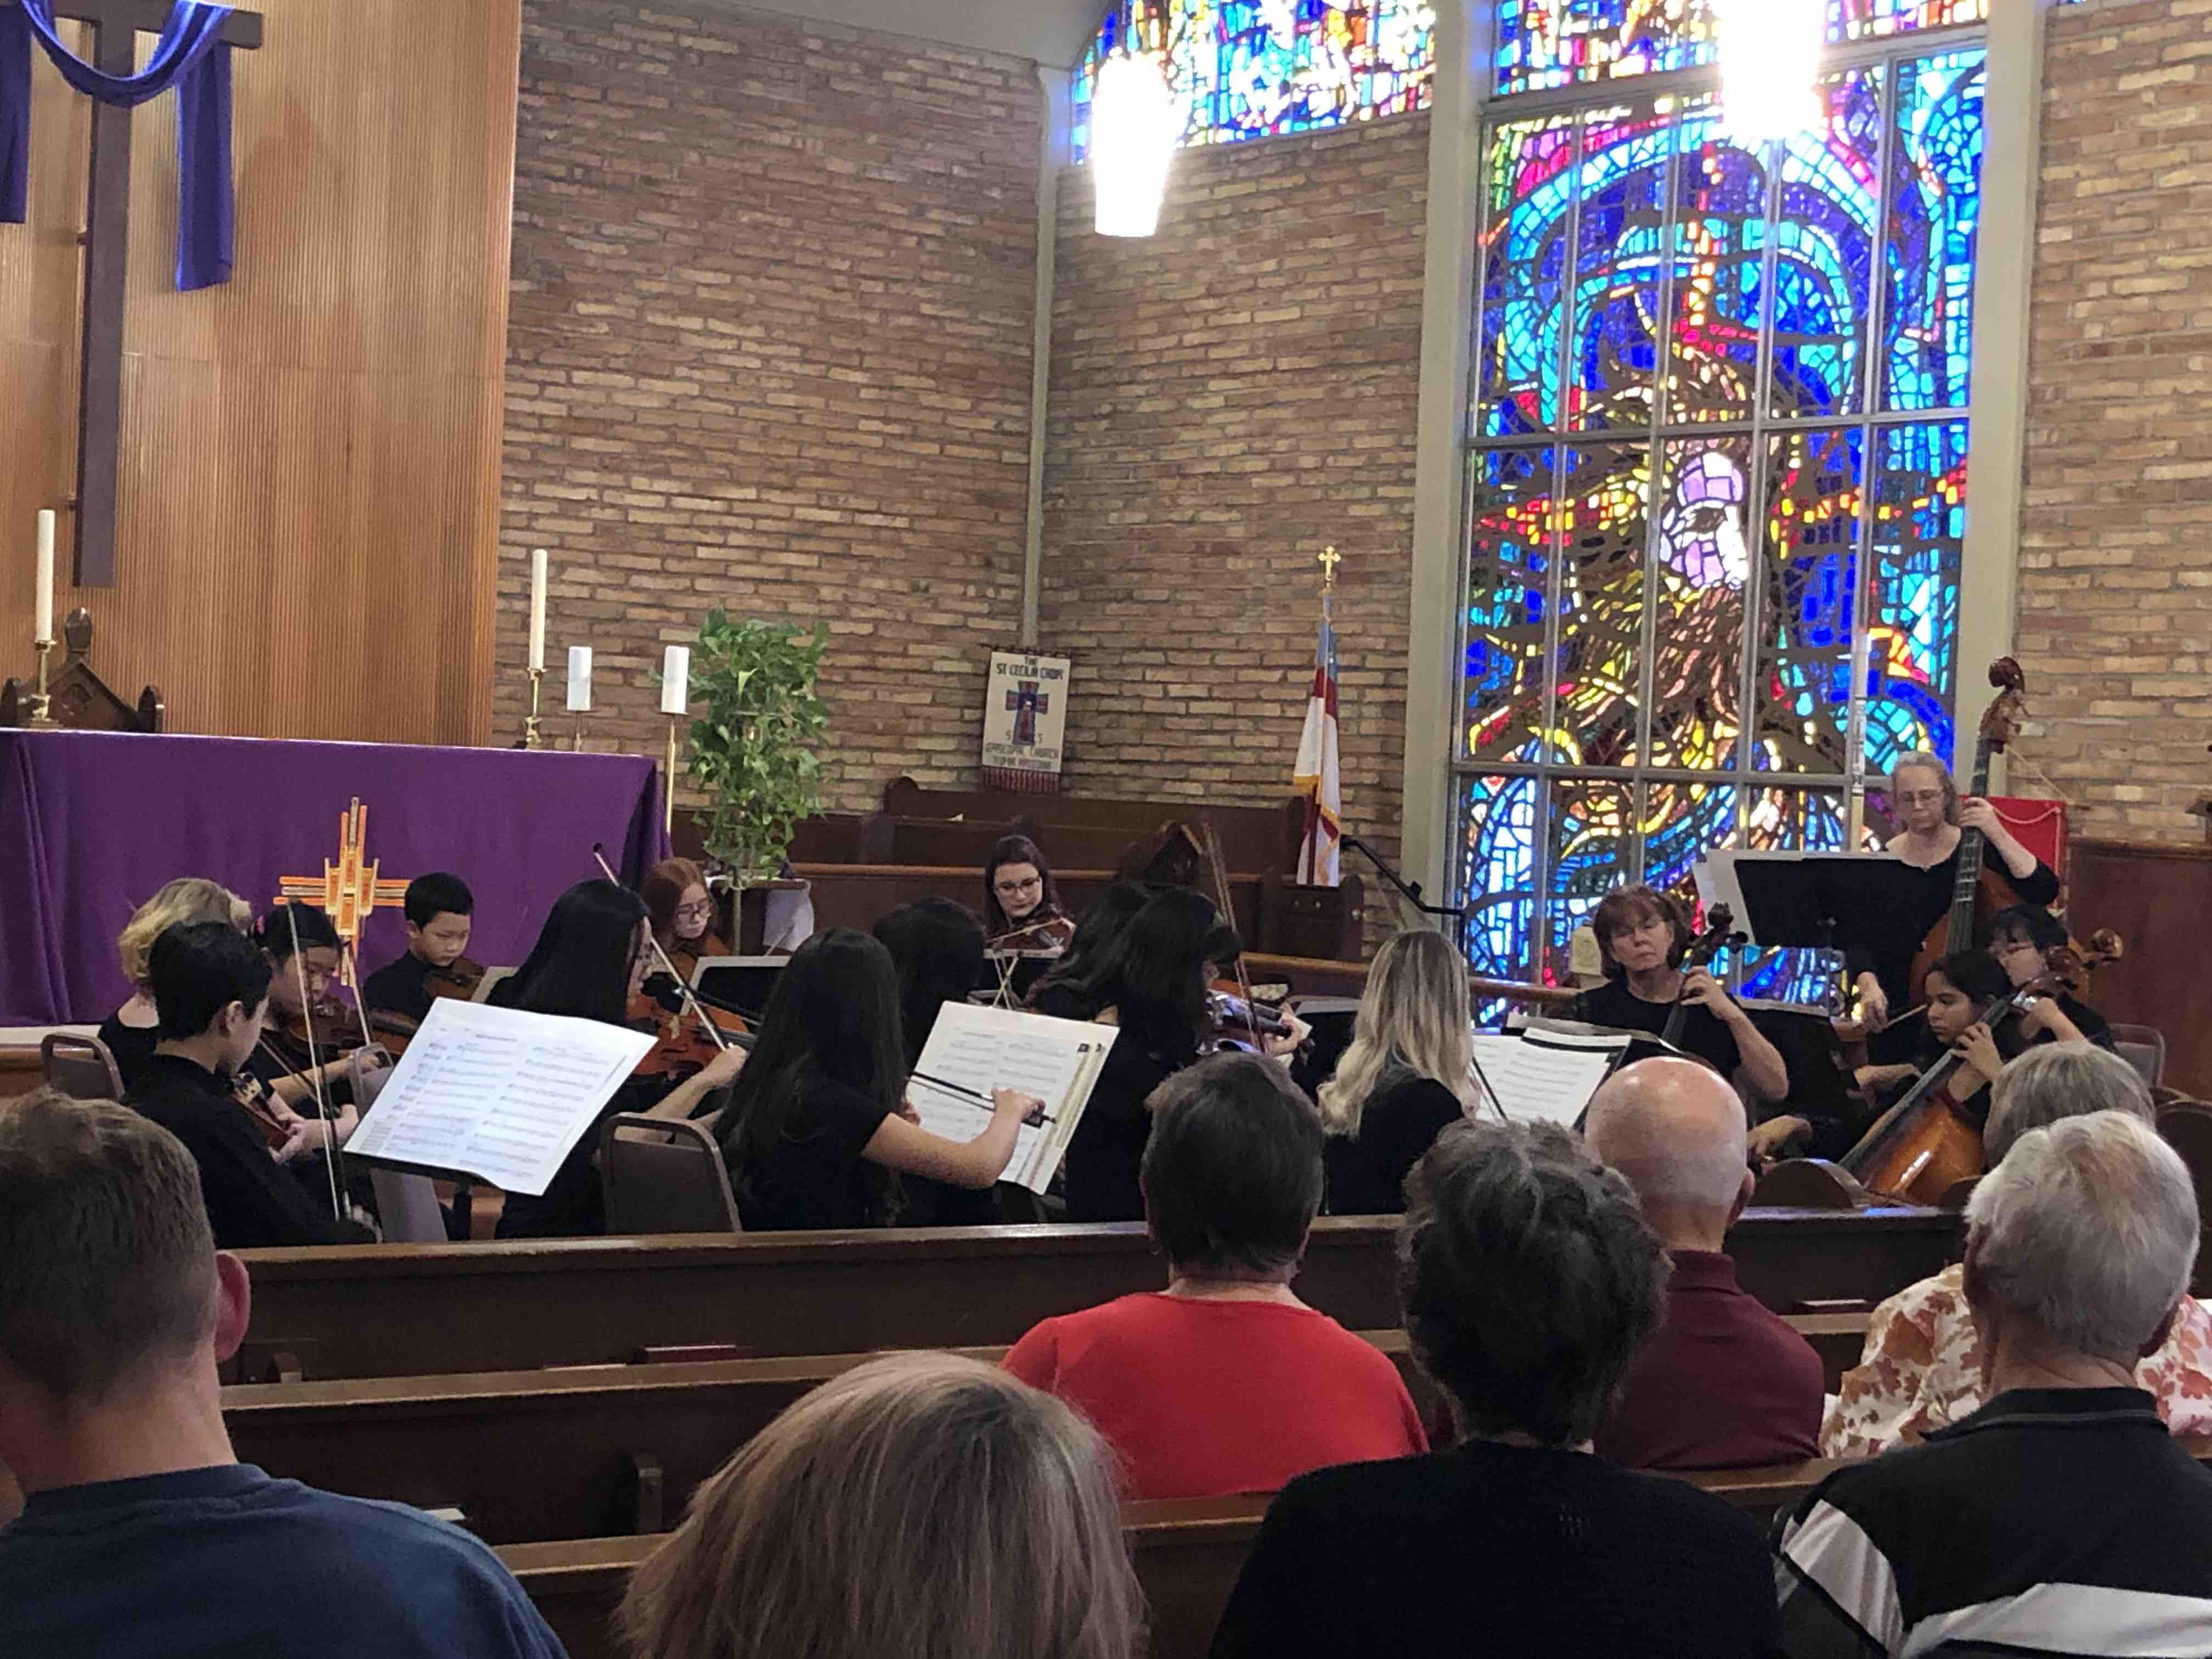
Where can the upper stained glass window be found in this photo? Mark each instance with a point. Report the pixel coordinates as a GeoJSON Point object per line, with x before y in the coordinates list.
{"type": "Point", "coordinates": [1246, 69]}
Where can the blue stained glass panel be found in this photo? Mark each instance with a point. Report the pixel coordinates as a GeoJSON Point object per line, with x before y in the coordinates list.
{"type": "Point", "coordinates": [1530, 194]}
{"type": "Point", "coordinates": [1919, 535]}
{"type": "Point", "coordinates": [1498, 876]}
{"type": "Point", "coordinates": [1937, 163]}
{"type": "Point", "coordinates": [1620, 324]}
{"type": "Point", "coordinates": [1511, 527]}
{"type": "Point", "coordinates": [1827, 247]}
{"type": "Point", "coordinates": [1717, 254]}
{"type": "Point", "coordinates": [1592, 850]}
{"type": "Point", "coordinates": [1815, 481]}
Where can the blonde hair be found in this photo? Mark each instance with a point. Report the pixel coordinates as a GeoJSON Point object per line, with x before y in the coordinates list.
{"type": "Point", "coordinates": [185, 901]}
{"type": "Point", "coordinates": [1922, 760]}
{"type": "Point", "coordinates": [1412, 1017]}
{"type": "Point", "coordinates": [923, 1504]}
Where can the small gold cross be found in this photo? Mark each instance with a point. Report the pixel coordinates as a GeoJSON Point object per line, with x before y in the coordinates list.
{"type": "Point", "coordinates": [1330, 558]}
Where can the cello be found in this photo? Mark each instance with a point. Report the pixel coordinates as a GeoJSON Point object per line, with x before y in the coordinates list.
{"type": "Point", "coordinates": [1978, 892]}
{"type": "Point", "coordinates": [1719, 933]}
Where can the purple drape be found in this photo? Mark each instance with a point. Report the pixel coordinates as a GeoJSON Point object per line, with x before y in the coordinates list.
{"type": "Point", "coordinates": [188, 56]}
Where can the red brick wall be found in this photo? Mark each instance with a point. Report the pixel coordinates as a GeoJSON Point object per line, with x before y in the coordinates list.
{"type": "Point", "coordinates": [769, 348]}
{"type": "Point", "coordinates": [1228, 398]}
{"type": "Point", "coordinates": [2115, 619]}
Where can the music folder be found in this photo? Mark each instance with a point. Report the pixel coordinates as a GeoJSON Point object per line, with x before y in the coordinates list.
{"type": "Point", "coordinates": [978, 1050]}
{"type": "Point", "coordinates": [494, 1094]}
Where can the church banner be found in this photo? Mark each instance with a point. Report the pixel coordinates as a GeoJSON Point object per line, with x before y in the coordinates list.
{"type": "Point", "coordinates": [1025, 713]}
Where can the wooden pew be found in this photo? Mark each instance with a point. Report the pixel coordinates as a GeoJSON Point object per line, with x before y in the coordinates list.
{"type": "Point", "coordinates": [1187, 1554]}
{"type": "Point", "coordinates": [418, 1309]}
{"type": "Point", "coordinates": [533, 1455]}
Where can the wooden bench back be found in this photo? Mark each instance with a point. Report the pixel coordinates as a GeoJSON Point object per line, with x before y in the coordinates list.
{"type": "Point", "coordinates": [422, 1310]}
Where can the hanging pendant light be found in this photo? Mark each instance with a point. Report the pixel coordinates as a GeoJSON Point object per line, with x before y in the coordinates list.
{"type": "Point", "coordinates": [1771, 67]}
{"type": "Point", "coordinates": [1133, 135]}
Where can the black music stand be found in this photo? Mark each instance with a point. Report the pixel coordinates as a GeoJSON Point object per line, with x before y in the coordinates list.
{"type": "Point", "coordinates": [1824, 901]}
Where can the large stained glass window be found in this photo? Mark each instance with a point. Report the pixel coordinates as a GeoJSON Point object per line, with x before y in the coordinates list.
{"type": "Point", "coordinates": [1246, 69]}
{"type": "Point", "coordinates": [1718, 457]}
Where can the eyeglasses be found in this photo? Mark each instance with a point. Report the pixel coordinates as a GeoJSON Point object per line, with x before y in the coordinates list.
{"type": "Point", "coordinates": [1034, 883]}
{"type": "Point", "coordinates": [1919, 797]}
{"type": "Point", "coordinates": [703, 908]}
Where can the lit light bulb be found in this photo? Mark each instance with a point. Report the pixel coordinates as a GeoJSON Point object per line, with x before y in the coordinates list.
{"type": "Point", "coordinates": [1133, 135]}
{"type": "Point", "coordinates": [1770, 66]}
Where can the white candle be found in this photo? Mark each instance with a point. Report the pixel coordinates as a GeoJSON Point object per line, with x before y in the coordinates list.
{"type": "Point", "coordinates": [675, 679]}
{"type": "Point", "coordinates": [42, 624]}
{"type": "Point", "coordinates": [579, 679]}
{"type": "Point", "coordinates": [538, 608]}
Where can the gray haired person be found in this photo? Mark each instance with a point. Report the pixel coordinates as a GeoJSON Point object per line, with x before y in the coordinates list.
{"type": "Point", "coordinates": [1530, 1281]}
{"type": "Point", "coordinates": [2060, 1517]}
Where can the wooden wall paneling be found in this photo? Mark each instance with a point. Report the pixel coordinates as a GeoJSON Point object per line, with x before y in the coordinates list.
{"type": "Point", "coordinates": [311, 474]}
{"type": "Point", "coordinates": [2156, 897]}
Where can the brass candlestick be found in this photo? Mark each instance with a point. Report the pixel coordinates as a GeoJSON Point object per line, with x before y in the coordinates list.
{"type": "Point", "coordinates": [576, 743]}
{"type": "Point", "coordinates": [530, 737]}
{"type": "Point", "coordinates": [38, 711]}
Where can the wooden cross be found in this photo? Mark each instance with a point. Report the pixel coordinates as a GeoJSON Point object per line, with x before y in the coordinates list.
{"type": "Point", "coordinates": [116, 26]}
{"type": "Point", "coordinates": [349, 891]}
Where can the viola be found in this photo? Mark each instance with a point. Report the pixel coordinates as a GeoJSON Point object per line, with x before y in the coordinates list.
{"type": "Point", "coordinates": [1978, 893]}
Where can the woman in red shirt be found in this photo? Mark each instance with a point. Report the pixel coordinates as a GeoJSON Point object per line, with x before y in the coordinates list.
{"type": "Point", "coordinates": [1225, 1381]}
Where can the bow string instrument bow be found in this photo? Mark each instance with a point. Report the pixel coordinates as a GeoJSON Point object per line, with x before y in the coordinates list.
{"type": "Point", "coordinates": [709, 1039]}
{"type": "Point", "coordinates": [1978, 892]}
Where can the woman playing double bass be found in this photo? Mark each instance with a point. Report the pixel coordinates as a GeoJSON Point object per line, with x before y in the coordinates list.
{"type": "Point", "coordinates": [1934, 816]}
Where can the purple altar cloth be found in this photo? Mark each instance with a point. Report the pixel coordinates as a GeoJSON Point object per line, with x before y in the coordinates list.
{"type": "Point", "coordinates": [92, 823]}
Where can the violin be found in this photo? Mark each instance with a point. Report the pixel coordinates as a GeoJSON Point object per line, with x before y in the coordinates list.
{"type": "Point", "coordinates": [1048, 937]}
{"type": "Point", "coordinates": [1241, 1024]}
{"type": "Point", "coordinates": [1978, 892]}
{"type": "Point", "coordinates": [681, 1045]}
{"type": "Point", "coordinates": [269, 1116]}
{"type": "Point", "coordinates": [1718, 935]}
{"type": "Point", "coordinates": [459, 979]}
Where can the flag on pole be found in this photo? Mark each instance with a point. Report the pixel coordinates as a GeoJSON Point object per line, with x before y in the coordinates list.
{"type": "Point", "coordinates": [1316, 776]}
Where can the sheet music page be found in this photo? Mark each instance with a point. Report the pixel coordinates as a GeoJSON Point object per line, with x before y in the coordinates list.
{"type": "Point", "coordinates": [1546, 1076]}
{"type": "Point", "coordinates": [983, 1048]}
{"type": "Point", "coordinates": [497, 1094]}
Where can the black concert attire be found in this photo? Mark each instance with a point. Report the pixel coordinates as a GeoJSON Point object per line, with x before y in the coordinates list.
{"type": "Point", "coordinates": [397, 988]}
{"type": "Point", "coordinates": [814, 1178]}
{"type": "Point", "coordinates": [1108, 1149]}
{"type": "Point", "coordinates": [1400, 1122]}
{"type": "Point", "coordinates": [1899, 932]}
{"type": "Point", "coordinates": [2092, 1026]}
{"type": "Point", "coordinates": [252, 1200]}
{"type": "Point", "coordinates": [1508, 1552]}
{"type": "Point", "coordinates": [132, 1045]}
{"type": "Point", "coordinates": [1704, 1033]}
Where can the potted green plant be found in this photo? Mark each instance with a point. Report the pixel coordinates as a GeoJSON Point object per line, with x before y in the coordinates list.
{"type": "Point", "coordinates": [753, 751]}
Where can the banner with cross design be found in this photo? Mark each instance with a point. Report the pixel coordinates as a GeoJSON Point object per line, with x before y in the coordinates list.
{"type": "Point", "coordinates": [1024, 715]}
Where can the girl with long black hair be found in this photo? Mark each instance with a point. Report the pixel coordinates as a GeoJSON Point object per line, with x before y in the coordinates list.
{"type": "Point", "coordinates": [1150, 980]}
{"type": "Point", "coordinates": [589, 958]}
{"type": "Point", "coordinates": [817, 1123]}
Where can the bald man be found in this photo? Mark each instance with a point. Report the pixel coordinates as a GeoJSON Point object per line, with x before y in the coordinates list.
{"type": "Point", "coordinates": [1726, 1383]}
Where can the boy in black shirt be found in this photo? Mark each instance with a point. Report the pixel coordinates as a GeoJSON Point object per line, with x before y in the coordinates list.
{"type": "Point", "coordinates": [438, 909]}
{"type": "Point", "coordinates": [211, 988]}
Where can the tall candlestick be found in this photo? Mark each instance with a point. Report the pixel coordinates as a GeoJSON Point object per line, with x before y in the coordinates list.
{"type": "Point", "coordinates": [579, 679]}
{"type": "Point", "coordinates": [538, 608]}
{"type": "Point", "coordinates": [675, 679]}
{"type": "Point", "coordinates": [42, 624]}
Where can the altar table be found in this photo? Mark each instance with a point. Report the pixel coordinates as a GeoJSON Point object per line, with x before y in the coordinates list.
{"type": "Point", "coordinates": [92, 823]}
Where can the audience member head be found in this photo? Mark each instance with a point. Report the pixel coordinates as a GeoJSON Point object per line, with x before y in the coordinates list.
{"type": "Point", "coordinates": [438, 907]}
{"type": "Point", "coordinates": [1676, 1132]}
{"type": "Point", "coordinates": [304, 931]}
{"type": "Point", "coordinates": [1232, 1171]}
{"type": "Point", "coordinates": [1959, 987]}
{"type": "Point", "coordinates": [937, 947]}
{"type": "Point", "coordinates": [1639, 929]}
{"type": "Point", "coordinates": [114, 1307]}
{"type": "Point", "coordinates": [2022, 939]}
{"type": "Point", "coordinates": [211, 988]}
{"type": "Point", "coordinates": [1922, 794]}
{"type": "Point", "coordinates": [590, 958]}
{"type": "Point", "coordinates": [2061, 1080]}
{"type": "Point", "coordinates": [1412, 1017]}
{"type": "Point", "coordinates": [808, 1540]}
{"type": "Point", "coordinates": [832, 1018]}
{"type": "Point", "coordinates": [1528, 1279]}
{"type": "Point", "coordinates": [2078, 1248]}
{"type": "Point", "coordinates": [679, 901]}
{"type": "Point", "coordinates": [1018, 886]}
{"type": "Point", "coordinates": [186, 900]}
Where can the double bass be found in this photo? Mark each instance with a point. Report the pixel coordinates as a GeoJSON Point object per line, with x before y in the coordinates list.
{"type": "Point", "coordinates": [1978, 892]}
